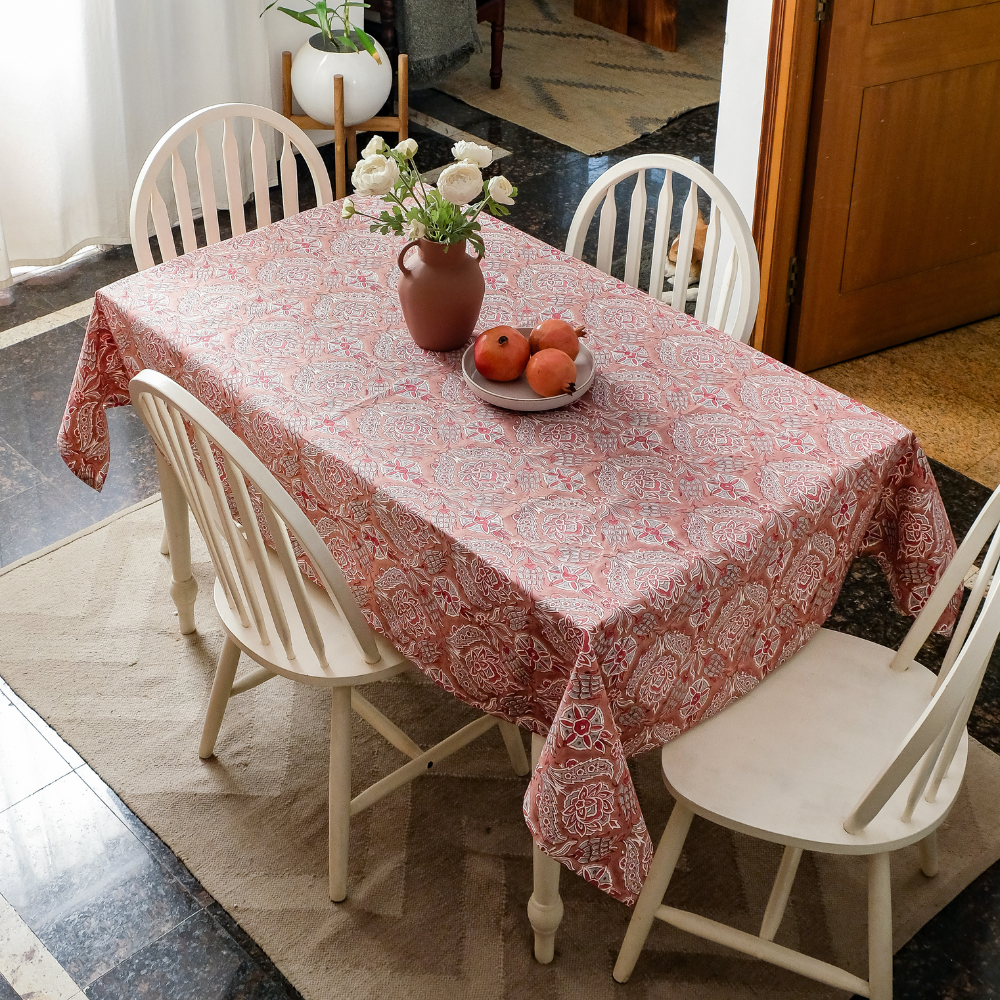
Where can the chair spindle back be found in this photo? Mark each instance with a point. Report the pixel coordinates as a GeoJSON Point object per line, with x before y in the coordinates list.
{"type": "Point", "coordinates": [936, 735]}
{"type": "Point", "coordinates": [741, 265]}
{"type": "Point", "coordinates": [147, 198]}
{"type": "Point", "coordinates": [201, 450]}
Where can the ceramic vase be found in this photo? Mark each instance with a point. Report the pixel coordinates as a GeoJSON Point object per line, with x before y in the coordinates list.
{"type": "Point", "coordinates": [366, 82]}
{"type": "Point", "coordinates": [441, 291]}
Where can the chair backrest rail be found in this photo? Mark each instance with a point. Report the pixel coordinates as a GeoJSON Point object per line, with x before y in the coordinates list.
{"type": "Point", "coordinates": [606, 231]}
{"type": "Point", "coordinates": [742, 270]}
{"type": "Point", "coordinates": [934, 738]}
{"type": "Point", "coordinates": [661, 235]}
{"type": "Point", "coordinates": [258, 164]}
{"type": "Point", "coordinates": [196, 443]}
{"type": "Point", "coordinates": [148, 199]}
{"type": "Point", "coordinates": [236, 540]}
{"type": "Point", "coordinates": [950, 582]}
{"type": "Point", "coordinates": [636, 223]}
{"type": "Point", "coordinates": [206, 187]}
{"type": "Point", "coordinates": [182, 198]}
{"type": "Point", "coordinates": [706, 283]}
{"type": "Point", "coordinates": [234, 178]}
{"type": "Point", "coordinates": [289, 179]}
{"type": "Point", "coordinates": [258, 553]}
{"type": "Point", "coordinates": [685, 248]}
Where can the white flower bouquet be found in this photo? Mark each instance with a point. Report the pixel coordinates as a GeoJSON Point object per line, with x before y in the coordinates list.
{"type": "Point", "coordinates": [442, 213]}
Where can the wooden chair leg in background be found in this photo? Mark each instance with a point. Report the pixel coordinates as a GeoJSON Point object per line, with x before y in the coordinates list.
{"type": "Point", "coordinates": [661, 870]}
{"type": "Point", "coordinates": [879, 927]}
{"type": "Point", "coordinates": [515, 748]}
{"type": "Point", "coordinates": [496, 50]}
{"type": "Point", "coordinates": [340, 791]}
{"type": "Point", "coordinates": [340, 135]}
{"type": "Point", "coordinates": [545, 908]}
{"type": "Point", "coordinates": [780, 892]}
{"type": "Point", "coordinates": [177, 544]}
{"type": "Point", "coordinates": [929, 855]}
{"type": "Point", "coordinates": [225, 674]}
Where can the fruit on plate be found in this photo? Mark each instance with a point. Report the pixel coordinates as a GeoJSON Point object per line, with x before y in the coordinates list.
{"type": "Point", "coordinates": [558, 334]}
{"type": "Point", "coordinates": [501, 353]}
{"type": "Point", "coordinates": [551, 372]}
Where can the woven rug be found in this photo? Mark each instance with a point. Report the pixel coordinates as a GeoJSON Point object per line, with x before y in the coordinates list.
{"type": "Point", "coordinates": [440, 870]}
{"type": "Point", "coordinates": [588, 87]}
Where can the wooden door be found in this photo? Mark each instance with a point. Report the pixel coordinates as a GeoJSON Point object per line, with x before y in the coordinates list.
{"type": "Point", "coordinates": [900, 224]}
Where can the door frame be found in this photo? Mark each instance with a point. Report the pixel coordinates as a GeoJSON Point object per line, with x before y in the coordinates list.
{"type": "Point", "coordinates": [781, 163]}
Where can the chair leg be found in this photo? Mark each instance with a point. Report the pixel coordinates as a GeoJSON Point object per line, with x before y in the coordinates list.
{"type": "Point", "coordinates": [545, 908]}
{"type": "Point", "coordinates": [879, 928]}
{"type": "Point", "coordinates": [225, 673]}
{"type": "Point", "coordinates": [496, 50]}
{"type": "Point", "coordinates": [661, 870]}
{"type": "Point", "coordinates": [929, 855]}
{"type": "Point", "coordinates": [340, 791]}
{"type": "Point", "coordinates": [177, 539]}
{"type": "Point", "coordinates": [779, 892]}
{"type": "Point", "coordinates": [515, 747]}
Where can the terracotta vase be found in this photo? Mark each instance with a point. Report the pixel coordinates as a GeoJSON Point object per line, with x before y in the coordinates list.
{"type": "Point", "coordinates": [441, 292]}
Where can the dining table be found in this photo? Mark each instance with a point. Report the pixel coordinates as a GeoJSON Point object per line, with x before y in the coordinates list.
{"type": "Point", "coordinates": [605, 575]}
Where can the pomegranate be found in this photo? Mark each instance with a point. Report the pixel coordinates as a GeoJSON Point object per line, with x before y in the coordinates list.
{"type": "Point", "coordinates": [551, 372]}
{"type": "Point", "coordinates": [556, 333]}
{"type": "Point", "coordinates": [501, 353]}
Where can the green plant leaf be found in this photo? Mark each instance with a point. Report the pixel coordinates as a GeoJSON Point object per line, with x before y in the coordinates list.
{"type": "Point", "coordinates": [369, 45]}
{"type": "Point", "coordinates": [300, 16]}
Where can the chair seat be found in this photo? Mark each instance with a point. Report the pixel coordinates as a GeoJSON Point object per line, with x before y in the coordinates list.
{"type": "Point", "coordinates": [347, 666]}
{"type": "Point", "coordinates": [777, 764]}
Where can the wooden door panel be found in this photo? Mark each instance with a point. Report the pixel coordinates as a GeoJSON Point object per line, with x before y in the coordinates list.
{"type": "Point", "coordinates": [924, 143]}
{"type": "Point", "coordinates": [900, 221]}
{"type": "Point", "coordinates": [900, 10]}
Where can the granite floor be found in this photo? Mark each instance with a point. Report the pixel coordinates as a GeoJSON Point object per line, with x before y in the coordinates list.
{"type": "Point", "coordinates": [92, 903]}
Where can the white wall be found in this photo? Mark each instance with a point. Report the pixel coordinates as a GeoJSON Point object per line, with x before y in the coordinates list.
{"type": "Point", "coordinates": [741, 101]}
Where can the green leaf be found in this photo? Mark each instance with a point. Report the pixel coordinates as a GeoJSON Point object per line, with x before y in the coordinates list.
{"type": "Point", "coordinates": [299, 16]}
{"type": "Point", "coordinates": [369, 45]}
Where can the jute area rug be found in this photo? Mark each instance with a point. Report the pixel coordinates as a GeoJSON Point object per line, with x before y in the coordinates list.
{"type": "Point", "coordinates": [588, 87]}
{"type": "Point", "coordinates": [440, 870]}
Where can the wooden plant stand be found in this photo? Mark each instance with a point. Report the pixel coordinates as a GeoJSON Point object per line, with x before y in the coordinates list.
{"type": "Point", "coordinates": [346, 136]}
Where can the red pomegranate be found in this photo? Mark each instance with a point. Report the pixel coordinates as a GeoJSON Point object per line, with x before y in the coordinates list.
{"type": "Point", "coordinates": [551, 372]}
{"type": "Point", "coordinates": [501, 353]}
{"type": "Point", "coordinates": [557, 334]}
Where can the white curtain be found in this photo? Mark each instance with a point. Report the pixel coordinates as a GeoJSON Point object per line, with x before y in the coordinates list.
{"type": "Point", "coordinates": [86, 92]}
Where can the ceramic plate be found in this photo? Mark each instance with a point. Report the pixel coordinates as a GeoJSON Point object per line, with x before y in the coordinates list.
{"type": "Point", "coordinates": [518, 395]}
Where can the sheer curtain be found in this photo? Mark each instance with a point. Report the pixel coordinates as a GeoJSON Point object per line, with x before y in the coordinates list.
{"type": "Point", "coordinates": [86, 92]}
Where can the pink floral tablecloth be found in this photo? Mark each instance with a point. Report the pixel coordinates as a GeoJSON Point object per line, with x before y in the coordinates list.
{"type": "Point", "coordinates": [608, 574]}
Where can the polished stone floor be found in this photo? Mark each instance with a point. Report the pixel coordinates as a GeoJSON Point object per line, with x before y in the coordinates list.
{"type": "Point", "coordinates": [92, 903]}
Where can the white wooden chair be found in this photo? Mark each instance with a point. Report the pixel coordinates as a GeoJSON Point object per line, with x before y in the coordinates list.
{"type": "Point", "coordinates": [287, 624]}
{"type": "Point", "coordinates": [146, 196]}
{"type": "Point", "coordinates": [742, 268]}
{"type": "Point", "coordinates": [146, 199]}
{"type": "Point", "coordinates": [848, 748]}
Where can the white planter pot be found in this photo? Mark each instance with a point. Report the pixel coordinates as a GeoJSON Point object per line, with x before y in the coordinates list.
{"type": "Point", "coordinates": [366, 83]}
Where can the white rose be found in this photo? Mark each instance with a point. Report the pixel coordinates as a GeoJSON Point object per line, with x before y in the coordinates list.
{"type": "Point", "coordinates": [416, 230]}
{"type": "Point", "coordinates": [407, 148]}
{"type": "Point", "coordinates": [375, 145]}
{"type": "Point", "coordinates": [375, 175]}
{"type": "Point", "coordinates": [348, 210]}
{"type": "Point", "coordinates": [500, 190]}
{"type": "Point", "coordinates": [460, 183]}
{"type": "Point", "coordinates": [481, 156]}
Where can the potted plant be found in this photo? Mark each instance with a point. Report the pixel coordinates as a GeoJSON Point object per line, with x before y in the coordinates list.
{"type": "Point", "coordinates": [441, 291]}
{"type": "Point", "coordinates": [339, 49]}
